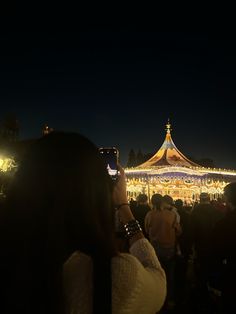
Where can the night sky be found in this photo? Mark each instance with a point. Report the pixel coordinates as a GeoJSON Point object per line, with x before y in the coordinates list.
{"type": "Point", "coordinates": [119, 86]}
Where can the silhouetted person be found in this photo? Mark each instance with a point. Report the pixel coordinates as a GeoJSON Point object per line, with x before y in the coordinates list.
{"type": "Point", "coordinates": [203, 219]}
{"type": "Point", "coordinates": [141, 209]}
{"type": "Point", "coordinates": [150, 226]}
{"type": "Point", "coordinates": [220, 205]}
{"type": "Point", "coordinates": [184, 238]}
{"type": "Point", "coordinates": [132, 204]}
{"type": "Point", "coordinates": [224, 250]}
{"type": "Point", "coordinates": [162, 229]}
{"type": "Point", "coordinates": [58, 248]}
{"type": "Point", "coordinates": [185, 249]}
{"type": "Point", "coordinates": [168, 203]}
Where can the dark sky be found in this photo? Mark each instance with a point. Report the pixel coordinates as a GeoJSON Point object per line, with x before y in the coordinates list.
{"type": "Point", "coordinates": [119, 86]}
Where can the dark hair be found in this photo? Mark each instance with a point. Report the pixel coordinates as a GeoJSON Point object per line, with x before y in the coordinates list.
{"type": "Point", "coordinates": [204, 196]}
{"type": "Point", "coordinates": [60, 202]}
{"type": "Point", "coordinates": [168, 199]}
{"type": "Point", "coordinates": [156, 200]}
{"type": "Point", "coordinates": [179, 203]}
{"type": "Point", "coordinates": [230, 193]}
{"type": "Point", "coordinates": [142, 198]}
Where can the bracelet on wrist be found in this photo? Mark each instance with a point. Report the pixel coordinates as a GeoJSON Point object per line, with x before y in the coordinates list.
{"type": "Point", "coordinates": [132, 228]}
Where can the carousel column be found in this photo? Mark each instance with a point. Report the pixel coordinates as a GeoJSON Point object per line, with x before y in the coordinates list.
{"type": "Point", "coordinates": [148, 188]}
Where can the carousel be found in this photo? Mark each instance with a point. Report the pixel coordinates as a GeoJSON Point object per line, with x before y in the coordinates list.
{"type": "Point", "coordinates": [170, 172]}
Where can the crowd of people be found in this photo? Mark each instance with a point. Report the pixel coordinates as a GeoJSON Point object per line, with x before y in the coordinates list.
{"type": "Point", "coordinates": [72, 243]}
{"type": "Point", "coordinates": [196, 246]}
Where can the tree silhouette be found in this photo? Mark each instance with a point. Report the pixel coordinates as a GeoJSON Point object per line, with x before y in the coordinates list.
{"type": "Point", "coordinates": [147, 156]}
{"type": "Point", "coordinates": [10, 128]}
{"type": "Point", "coordinates": [139, 158]}
{"type": "Point", "coordinates": [131, 159]}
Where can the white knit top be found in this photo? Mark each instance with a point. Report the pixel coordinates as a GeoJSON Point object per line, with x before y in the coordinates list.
{"type": "Point", "coordinates": [138, 282]}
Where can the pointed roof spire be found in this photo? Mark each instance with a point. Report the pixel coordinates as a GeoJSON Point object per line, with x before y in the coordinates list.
{"type": "Point", "coordinates": [168, 154]}
{"type": "Point", "coordinates": [168, 127]}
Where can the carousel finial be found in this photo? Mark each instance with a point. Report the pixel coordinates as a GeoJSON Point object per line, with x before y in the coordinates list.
{"type": "Point", "coordinates": [168, 126]}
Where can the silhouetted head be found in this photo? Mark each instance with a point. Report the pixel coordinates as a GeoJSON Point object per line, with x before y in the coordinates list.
{"type": "Point", "coordinates": [142, 199]}
{"type": "Point", "coordinates": [60, 202]}
{"type": "Point", "coordinates": [204, 198]}
{"type": "Point", "coordinates": [168, 202]}
{"type": "Point", "coordinates": [156, 201]}
{"type": "Point", "coordinates": [230, 194]}
{"type": "Point", "coordinates": [179, 204]}
{"type": "Point", "coordinates": [63, 185]}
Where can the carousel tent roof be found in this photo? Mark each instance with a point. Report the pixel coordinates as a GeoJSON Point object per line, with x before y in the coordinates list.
{"type": "Point", "coordinates": [168, 155]}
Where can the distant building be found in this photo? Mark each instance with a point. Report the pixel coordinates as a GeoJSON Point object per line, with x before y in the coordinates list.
{"type": "Point", "coordinates": [47, 129]}
{"type": "Point", "coordinates": [170, 172]}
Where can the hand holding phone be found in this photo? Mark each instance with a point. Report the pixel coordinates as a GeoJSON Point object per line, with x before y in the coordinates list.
{"type": "Point", "coordinates": [110, 156]}
{"type": "Point", "coordinates": [120, 192]}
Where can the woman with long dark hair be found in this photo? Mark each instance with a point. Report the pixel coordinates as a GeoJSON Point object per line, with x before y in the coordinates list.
{"type": "Point", "coordinates": [59, 252]}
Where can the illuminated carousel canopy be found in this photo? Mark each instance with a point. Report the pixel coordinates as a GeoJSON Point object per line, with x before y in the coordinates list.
{"type": "Point", "coordinates": [170, 172]}
{"type": "Point", "coordinates": [168, 155]}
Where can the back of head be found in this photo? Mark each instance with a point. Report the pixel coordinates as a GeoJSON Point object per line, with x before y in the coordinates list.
{"type": "Point", "coordinates": [204, 198]}
{"type": "Point", "coordinates": [63, 182]}
{"type": "Point", "coordinates": [59, 202]}
{"type": "Point", "coordinates": [230, 194]}
{"type": "Point", "coordinates": [179, 204]}
{"type": "Point", "coordinates": [142, 199]}
{"type": "Point", "coordinates": [168, 200]}
{"type": "Point", "coordinates": [156, 200]}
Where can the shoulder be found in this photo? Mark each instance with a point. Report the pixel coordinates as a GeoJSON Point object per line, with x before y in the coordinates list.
{"type": "Point", "coordinates": [77, 258]}
{"type": "Point", "coordinates": [196, 208]}
{"type": "Point", "coordinates": [149, 214]}
{"type": "Point", "coordinates": [168, 213]}
{"type": "Point", "coordinates": [133, 283]}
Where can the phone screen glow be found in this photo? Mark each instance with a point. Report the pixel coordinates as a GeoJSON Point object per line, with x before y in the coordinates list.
{"type": "Point", "coordinates": [110, 159]}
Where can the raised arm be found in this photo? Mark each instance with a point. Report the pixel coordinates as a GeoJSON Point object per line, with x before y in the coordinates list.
{"type": "Point", "coordinates": [151, 276]}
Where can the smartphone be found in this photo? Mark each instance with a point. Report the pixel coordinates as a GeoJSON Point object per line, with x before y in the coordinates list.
{"type": "Point", "coordinates": [110, 156]}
